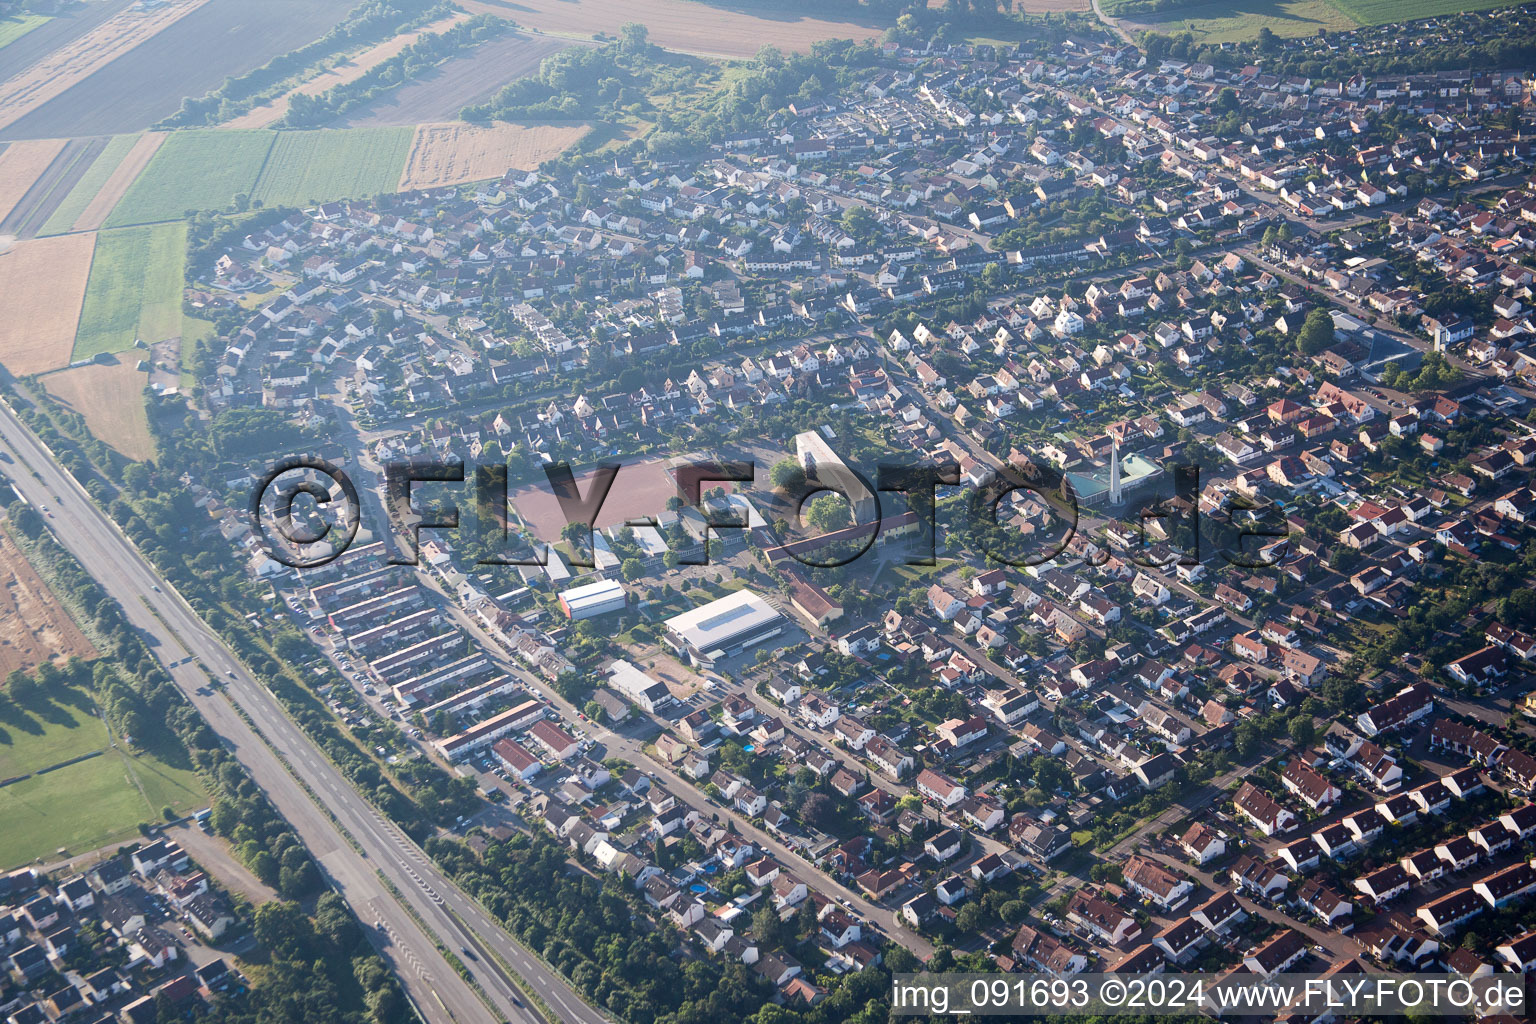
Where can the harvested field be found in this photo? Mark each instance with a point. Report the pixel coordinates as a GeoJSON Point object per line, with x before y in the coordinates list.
{"type": "Point", "coordinates": [1051, 6]}
{"type": "Point", "coordinates": [34, 627]}
{"type": "Point", "coordinates": [21, 164]}
{"type": "Point", "coordinates": [691, 26]}
{"type": "Point", "coordinates": [122, 174]}
{"type": "Point", "coordinates": [349, 70]}
{"type": "Point", "coordinates": [134, 291]}
{"type": "Point", "coordinates": [50, 189]}
{"type": "Point", "coordinates": [58, 31]}
{"type": "Point", "coordinates": [38, 334]}
{"type": "Point", "coordinates": [81, 58]}
{"type": "Point", "coordinates": [111, 398]}
{"type": "Point", "coordinates": [451, 154]}
{"type": "Point", "coordinates": [202, 169]}
{"type": "Point", "coordinates": [149, 82]}
{"type": "Point", "coordinates": [439, 94]}
{"type": "Point", "coordinates": [321, 166]}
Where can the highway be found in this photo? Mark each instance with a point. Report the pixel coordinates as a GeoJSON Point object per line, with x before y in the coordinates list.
{"type": "Point", "coordinates": [184, 644]}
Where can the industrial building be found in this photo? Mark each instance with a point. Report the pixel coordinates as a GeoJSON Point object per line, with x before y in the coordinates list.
{"type": "Point", "coordinates": [592, 599]}
{"type": "Point", "coordinates": [723, 628]}
{"type": "Point", "coordinates": [637, 687]}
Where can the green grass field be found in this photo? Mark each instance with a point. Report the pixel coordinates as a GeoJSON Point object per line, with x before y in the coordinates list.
{"type": "Point", "coordinates": [90, 183]}
{"type": "Point", "coordinates": [134, 290]}
{"type": "Point", "coordinates": [84, 806]}
{"type": "Point", "coordinates": [321, 166]}
{"type": "Point", "coordinates": [15, 26]}
{"type": "Point", "coordinates": [194, 170]}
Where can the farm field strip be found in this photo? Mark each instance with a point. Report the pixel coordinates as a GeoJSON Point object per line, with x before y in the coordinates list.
{"type": "Point", "coordinates": [82, 57]}
{"type": "Point", "coordinates": [21, 164]}
{"type": "Point", "coordinates": [451, 154]}
{"type": "Point", "coordinates": [321, 166]}
{"type": "Point", "coordinates": [350, 70]}
{"type": "Point", "coordinates": [99, 201]}
{"type": "Point", "coordinates": [134, 290]}
{"type": "Point", "coordinates": [39, 201]}
{"type": "Point", "coordinates": [39, 334]}
{"type": "Point", "coordinates": [14, 26]}
{"type": "Point", "coordinates": [85, 188]}
{"type": "Point", "coordinates": [202, 169]}
{"type": "Point", "coordinates": [111, 398]}
{"type": "Point", "coordinates": [688, 26]}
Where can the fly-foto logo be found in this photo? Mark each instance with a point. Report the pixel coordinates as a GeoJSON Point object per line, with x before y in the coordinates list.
{"type": "Point", "coordinates": [324, 528]}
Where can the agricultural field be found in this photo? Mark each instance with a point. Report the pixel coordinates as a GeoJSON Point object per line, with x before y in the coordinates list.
{"type": "Point", "coordinates": [34, 627]}
{"type": "Point", "coordinates": [1384, 12]}
{"type": "Point", "coordinates": [14, 26]}
{"type": "Point", "coordinates": [319, 166]}
{"type": "Point", "coordinates": [21, 164]}
{"type": "Point", "coordinates": [451, 154]}
{"type": "Point", "coordinates": [134, 290]}
{"type": "Point", "coordinates": [1241, 21]}
{"type": "Point", "coordinates": [37, 204]}
{"type": "Point", "coordinates": [690, 26]}
{"type": "Point", "coordinates": [37, 335]}
{"type": "Point", "coordinates": [348, 70]}
{"type": "Point", "coordinates": [82, 806]}
{"type": "Point", "coordinates": [111, 398]}
{"type": "Point", "coordinates": [439, 93]}
{"type": "Point", "coordinates": [1222, 22]}
{"type": "Point", "coordinates": [102, 186]}
{"type": "Point", "coordinates": [80, 59]}
{"type": "Point", "coordinates": [193, 170]}
{"type": "Point", "coordinates": [149, 81]}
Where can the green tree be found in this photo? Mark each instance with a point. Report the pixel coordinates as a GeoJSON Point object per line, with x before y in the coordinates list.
{"type": "Point", "coordinates": [1301, 731]}
{"type": "Point", "coordinates": [828, 512]}
{"type": "Point", "coordinates": [1316, 333]}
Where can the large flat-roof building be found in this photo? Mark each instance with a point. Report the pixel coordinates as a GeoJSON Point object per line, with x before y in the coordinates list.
{"type": "Point", "coordinates": [592, 599]}
{"type": "Point", "coordinates": [638, 687]}
{"type": "Point", "coordinates": [723, 628]}
{"type": "Point", "coordinates": [824, 467]}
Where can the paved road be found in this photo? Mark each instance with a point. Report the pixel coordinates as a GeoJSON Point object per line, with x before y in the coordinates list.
{"type": "Point", "coordinates": [184, 644]}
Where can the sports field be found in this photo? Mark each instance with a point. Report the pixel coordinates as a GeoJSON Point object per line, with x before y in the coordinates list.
{"type": "Point", "coordinates": [86, 805]}
{"type": "Point", "coordinates": [14, 26]}
{"type": "Point", "coordinates": [194, 170]}
{"type": "Point", "coordinates": [134, 290]}
{"type": "Point", "coordinates": [320, 166]}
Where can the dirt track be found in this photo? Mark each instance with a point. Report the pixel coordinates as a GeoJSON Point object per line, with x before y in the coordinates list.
{"type": "Point", "coordinates": [34, 627]}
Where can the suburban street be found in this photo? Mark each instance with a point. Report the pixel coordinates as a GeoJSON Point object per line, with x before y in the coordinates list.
{"type": "Point", "coordinates": [248, 718]}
